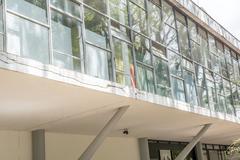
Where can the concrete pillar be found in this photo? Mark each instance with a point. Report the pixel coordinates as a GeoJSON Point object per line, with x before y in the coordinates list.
{"type": "Point", "coordinates": [199, 151]}
{"type": "Point", "coordinates": [143, 148]}
{"type": "Point", "coordinates": [96, 143]}
{"type": "Point", "coordinates": [38, 145]}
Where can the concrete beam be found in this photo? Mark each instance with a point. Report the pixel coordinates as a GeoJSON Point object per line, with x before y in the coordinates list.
{"type": "Point", "coordinates": [96, 143]}
{"type": "Point", "coordinates": [144, 148]}
{"type": "Point", "coordinates": [193, 143]}
{"type": "Point", "coordinates": [38, 145]}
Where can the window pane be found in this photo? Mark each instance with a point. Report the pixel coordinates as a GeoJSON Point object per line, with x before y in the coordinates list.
{"type": "Point", "coordinates": [190, 88]}
{"type": "Point", "coordinates": [139, 21]}
{"type": "Point", "coordinates": [212, 44]}
{"type": "Point", "coordinates": [139, 2]}
{"type": "Point", "coordinates": [200, 76]}
{"type": "Point", "coordinates": [204, 51]}
{"type": "Point", "coordinates": [22, 37]}
{"type": "Point", "coordinates": [124, 63]}
{"type": "Point", "coordinates": [98, 5]}
{"type": "Point", "coordinates": [203, 98]}
{"type": "Point", "coordinates": [96, 28]}
{"type": "Point", "coordinates": [168, 16]}
{"type": "Point", "coordinates": [155, 21]}
{"type": "Point", "coordinates": [183, 39]}
{"type": "Point", "coordinates": [197, 56]}
{"type": "Point", "coordinates": [162, 77]}
{"type": "Point", "coordinates": [212, 96]}
{"type": "Point", "coordinates": [145, 79]}
{"type": "Point", "coordinates": [1, 17]}
{"type": "Point", "coordinates": [120, 31]}
{"type": "Point", "coordinates": [193, 31]}
{"type": "Point", "coordinates": [178, 89]}
{"type": "Point", "coordinates": [35, 9]}
{"type": "Point", "coordinates": [141, 46]}
{"type": "Point", "coordinates": [169, 37]}
{"type": "Point", "coordinates": [158, 49]}
{"type": "Point", "coordinates": [97, 62]}
{"type": "Point", "coordinates": [118, 11]}
{"type": "Point", "coordinates": [64, 61]}
{"type": "Point", "coordinates": [67, 6]}
{"type": "Point", "coordinates": [175, 63]}
{"type": "Point", "coordinates": [69, 41]}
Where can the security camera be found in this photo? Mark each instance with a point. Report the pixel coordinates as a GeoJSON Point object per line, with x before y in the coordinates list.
{"type": "Point", "coordinates": [125, 132]}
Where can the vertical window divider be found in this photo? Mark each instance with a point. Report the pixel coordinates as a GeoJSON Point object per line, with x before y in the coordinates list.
{"type": "Point", "coordinates": [111, 44]}
{"type": "Point", "coordinates": [49, 18]}
{"type": "Point", "coordinates": [132, 40]}
{"type": "Point", "coordinates": [4, 7]}
{"type": "Point", "coordinates": [150, 45]}
{"type": "Point", "coordinates": [84, 40]}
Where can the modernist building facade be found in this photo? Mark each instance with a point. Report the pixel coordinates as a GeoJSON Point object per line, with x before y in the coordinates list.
{"type": "Point", "coordinates": [67, 65]}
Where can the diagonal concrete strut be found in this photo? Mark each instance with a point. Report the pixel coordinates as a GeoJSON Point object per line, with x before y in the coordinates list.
{"type": "Point", "coordinates": [193, 143]}
{"type": "Point", "coordinates": [96, 143]}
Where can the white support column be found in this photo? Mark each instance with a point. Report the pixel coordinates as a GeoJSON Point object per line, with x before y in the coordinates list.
{"type": "Point", "coordinates": [144, 149]}
{"type": "Point", "coordinates": [92, 148]}
{"type": "Point", "coordinates": [38, 144]}
{"type": "Point", "coordinates": [194, 141]}
{"type": "Point", "coordinates": [199, 151]}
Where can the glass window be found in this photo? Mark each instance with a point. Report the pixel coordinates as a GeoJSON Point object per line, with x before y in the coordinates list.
{"type": "Point", "coordinates": [138, 17]}
{"type": "Point", "coordinates": [22, 37]}
{"type": "Point", "coordinates": [183, 35]}
{"type": "Point", "coordinates": [118, 11]}
{"type": "Point", "coordinates": [228, 97]}
{"type": "Point", "coordinates": [190, 88]}
{"type": "Point", "coordinates": [68, 43]}
{"type": "Point", "coordinates": [120, 31]}
{"type": "Point", "coordinates": [178, 89]}
{"type": "Point", "coordinates": [162, 77]}
{"type": "Point", "coordinates": [142, 51]}
{"type": "Point", "coordinates": [236, 71]}
{"type": "Point", "coordinates": [204, 51]}
{"type": "Point", "coordinates": [64, 61]}
{"type": "Point", "coordinates": [212, 44]}
{"type": "Point", "coordinates": [212, 96]}
{"type": "Point", "coordinates": [139, 2]}
{"type": "Point", "coordinates": [169, 37]}
{"type": "Point", "coordinates": [1, 25]}
{"type": "Point", "coordinates": [35, 9]}
{"type": "Point", "coordinates": [96, 28]}
{"type": "Point", "coordinates": [98, 5]}
{"type": "Point", "coordinates": [168, 15]}
{"type": "Point", "coordinates": [197, 56]}
{"type": "Point", "coordinates": [145, 78]}
{"type": "Point", "coordinates": [199, 71]}
{"type": "Point", "coordinates": [215, 64]}
{"type": "Point", "coordinates": [97, 62]}
{"type": "Point", "coordinates": [202, 96]}
{"type": "Point", "coordinates": [219, 84]}
{"type": "Point", "coordinates": [158, 49]}
{"type": "Point", "coordinates": [124, 63]}
{"type": "Point", "coordinates": [192, 27]}
{"type": "Point", "coordinates": [175, 63]}
{"type": "Point", "coordinates": [67, 6]}
{"type": "Point", "coordinates": [221, 103]}
{"type": "Point", "coordinates": [1, 16]}
{"type": "Point", "coordinates": [155, 21]}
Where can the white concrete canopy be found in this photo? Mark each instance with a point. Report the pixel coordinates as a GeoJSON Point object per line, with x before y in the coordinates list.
{"type": "Point", "coordinates": [42, 99]}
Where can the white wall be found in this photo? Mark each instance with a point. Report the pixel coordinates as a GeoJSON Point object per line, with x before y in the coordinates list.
{"type": "Point", "coordinates": [70, 147]}
{"type": "Point", "coordinates": [17, 146]}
